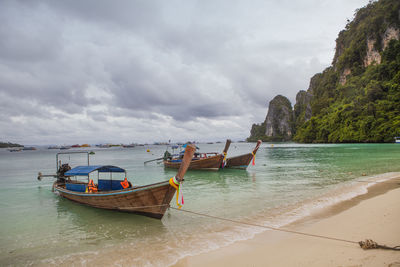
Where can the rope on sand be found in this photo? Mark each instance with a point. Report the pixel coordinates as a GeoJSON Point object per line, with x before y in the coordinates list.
{"type": "Point", "coordinates": [367, 244]}
{"type": "Point", "coordinates": [370, 244]}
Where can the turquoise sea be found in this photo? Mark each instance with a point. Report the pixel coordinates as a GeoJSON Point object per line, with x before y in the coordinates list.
{"type": "Point", "coordinates": [289, 181]}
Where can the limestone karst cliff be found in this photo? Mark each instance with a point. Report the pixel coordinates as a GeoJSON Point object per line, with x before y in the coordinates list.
{"type": "Point", "coordinates": [278, 125]}
{"type": "Point", "coordinates": [357, 98]}
{"type": "Point", "coordinates": [279, 120]}
{"type": "Point", "coordinates": [302, 108]}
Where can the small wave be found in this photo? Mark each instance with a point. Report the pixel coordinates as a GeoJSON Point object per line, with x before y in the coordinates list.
{"type": "Point", "coordinates": [340, 193]}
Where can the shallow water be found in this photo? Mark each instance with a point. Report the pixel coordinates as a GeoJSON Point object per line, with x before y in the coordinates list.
{"type": "Point", "coordinates": [288, 181]}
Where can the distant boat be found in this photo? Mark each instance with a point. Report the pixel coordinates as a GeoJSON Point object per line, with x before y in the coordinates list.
{"type": "Point", "coordinates": [53, 147]}
{"type": "Point", "coordinates": [29, 148]}
{"type": "Point", "coordinates": [242, 161]}
{"type": "Point", "coordinates": [85, 145]}
{"type": "Point", "coordinates": [149, 200]}
{"type": "Point", "coordinates": [114, 145]}
{"type": "Point", "coordinates": [397, 139]}
{"type": "Point", "coordinates": [129, 146]}
{"type": "Point", "coordinates": [103, 145]}
{"type": "Point", "coordinates": [200, 161]}
{"type": "Point", "coordinates": [15, 149]}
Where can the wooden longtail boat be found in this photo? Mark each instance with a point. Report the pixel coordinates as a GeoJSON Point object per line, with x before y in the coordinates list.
{"type": "Point", "coordinates": [242, 161]}
{"type": "Point", "coordinates": [149, 200]}
{"type": "Point", "coordinates": [201, 161]}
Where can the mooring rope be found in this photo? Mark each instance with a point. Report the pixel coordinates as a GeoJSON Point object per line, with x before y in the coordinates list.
{"type": "Point", "coordinates": [370, 244]}
{"type": "Point", "coordinates": [367, 244]}
{"type": "Point", "coordinates": [391, 181]}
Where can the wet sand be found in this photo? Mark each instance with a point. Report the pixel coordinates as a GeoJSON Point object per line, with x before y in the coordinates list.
{"type": "Point", "coordinates": [374, 215]}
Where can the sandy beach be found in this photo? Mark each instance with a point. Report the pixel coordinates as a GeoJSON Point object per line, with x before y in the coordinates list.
{"type": "Point", "coordinates": [374, 215]}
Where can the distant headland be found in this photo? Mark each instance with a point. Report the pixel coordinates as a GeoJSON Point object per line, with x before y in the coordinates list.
{"type": "Point", "coordinates": [8, 144]}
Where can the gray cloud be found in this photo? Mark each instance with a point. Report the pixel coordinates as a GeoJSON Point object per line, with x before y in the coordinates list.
{"type": "Point", "coordinates": [196, 69]}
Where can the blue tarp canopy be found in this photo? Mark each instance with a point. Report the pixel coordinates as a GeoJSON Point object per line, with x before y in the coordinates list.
{"type": "Point", "coordinates": [185, 145]}
{"type": "Point", "coordinates": [85, 170]}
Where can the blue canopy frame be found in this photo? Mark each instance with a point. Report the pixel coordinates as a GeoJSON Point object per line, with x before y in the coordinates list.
{"type": "Point", "coordinates": [103, 184]}
{"type": "Point", "coordinates": [86, 170]}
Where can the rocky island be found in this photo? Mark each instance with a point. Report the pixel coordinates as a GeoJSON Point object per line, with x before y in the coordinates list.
{"type": "Point", "coordinates": [8, 144]}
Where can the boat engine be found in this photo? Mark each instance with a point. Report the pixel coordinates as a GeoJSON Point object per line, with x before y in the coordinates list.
{"type": "Point", "coordinates": [61, 171]}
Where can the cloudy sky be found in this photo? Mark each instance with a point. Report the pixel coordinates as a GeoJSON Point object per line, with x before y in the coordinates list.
{"type": "Point", "coordinates": [104, 71]}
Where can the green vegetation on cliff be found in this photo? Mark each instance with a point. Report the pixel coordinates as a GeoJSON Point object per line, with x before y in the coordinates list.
{"type": "Point", "coordinates": [365, 109]}
{"type": "Point", "coordinates": [257, 132]}
{"type": "Point", "coordinates": [358, 99]}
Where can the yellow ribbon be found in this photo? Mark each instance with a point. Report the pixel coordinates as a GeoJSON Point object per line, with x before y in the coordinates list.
{"type": "Point", "coordinates": [254, 158]}
{"type": "Point", "coordinates": [179, 197]}
{"type": "Point", "coordinates": [174, 183]}
{"type": "Point", "coordinates": [224, 160]}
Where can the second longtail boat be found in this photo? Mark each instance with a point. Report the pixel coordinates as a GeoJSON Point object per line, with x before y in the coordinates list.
{"type": "Point", "coordinates": [242, 161]}
{"type": "Point", "coordinates": [200, 161]}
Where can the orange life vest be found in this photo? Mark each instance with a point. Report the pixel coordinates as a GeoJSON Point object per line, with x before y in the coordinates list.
{"type": "Point", "coordinates": [92, 188]}
{"type": "Point", "coordinates": [125, 183]}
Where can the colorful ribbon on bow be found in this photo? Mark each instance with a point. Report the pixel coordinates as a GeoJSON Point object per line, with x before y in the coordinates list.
{"type": "Point", "coordinates": [178, 186]}
{"type": "Point", "coordinates": [254, 159]}
{"type": "Point", "coordinates": [224, 160]}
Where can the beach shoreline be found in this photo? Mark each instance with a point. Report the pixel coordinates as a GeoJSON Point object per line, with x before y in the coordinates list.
{"type": "Point", "coordinates": [373, 215]}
